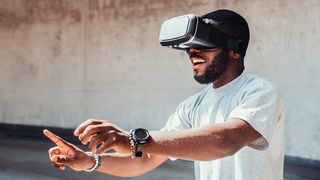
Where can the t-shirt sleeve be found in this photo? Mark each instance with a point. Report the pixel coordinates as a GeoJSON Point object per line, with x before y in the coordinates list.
{"type": "Point", "coordinates": [179, 120]}
{"type": "Point", "coordinates": [182, 118]}
{"type": "Point", "coordinates": [262, 107]}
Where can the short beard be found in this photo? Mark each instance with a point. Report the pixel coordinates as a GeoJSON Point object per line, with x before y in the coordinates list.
{"type": "Point", "coordinates": [214, 69]}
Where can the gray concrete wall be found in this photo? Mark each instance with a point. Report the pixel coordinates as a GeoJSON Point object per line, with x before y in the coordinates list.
{"type": "Point", "coordinates": [64, 61]}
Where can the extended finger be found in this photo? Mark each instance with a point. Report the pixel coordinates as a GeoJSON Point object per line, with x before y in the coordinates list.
{"type": "Point", "coordinates": [94, 130]}
{"type": "Point", "coordinates": [56, 139]}
{"type": "Point", "coordinates": [82, 126]}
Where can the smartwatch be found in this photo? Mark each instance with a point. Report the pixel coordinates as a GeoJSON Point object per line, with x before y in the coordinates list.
{"type": "Point", "coordinates": [141, 137]}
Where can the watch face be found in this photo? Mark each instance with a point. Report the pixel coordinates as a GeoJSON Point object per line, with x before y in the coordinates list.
{"type": "Point", "coordinates": [141, 134]}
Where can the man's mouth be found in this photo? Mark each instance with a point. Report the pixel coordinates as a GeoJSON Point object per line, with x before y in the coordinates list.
{"type": "Point", "coordinates": [197, 61]}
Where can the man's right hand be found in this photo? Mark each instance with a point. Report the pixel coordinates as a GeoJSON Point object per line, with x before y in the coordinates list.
{"type": "Point", "coordinates": [67, 154]}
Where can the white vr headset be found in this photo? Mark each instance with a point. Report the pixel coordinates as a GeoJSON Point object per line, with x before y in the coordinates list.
{"type": "Point", "coordinates": [190, 31]}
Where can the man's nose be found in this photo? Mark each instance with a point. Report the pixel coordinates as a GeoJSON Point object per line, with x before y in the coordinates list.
{"type": "Point", "coordinates": [194, 50]}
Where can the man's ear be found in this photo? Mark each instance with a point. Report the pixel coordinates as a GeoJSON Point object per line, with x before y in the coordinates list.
{"type": "Point", "coordinates": [234, 55]}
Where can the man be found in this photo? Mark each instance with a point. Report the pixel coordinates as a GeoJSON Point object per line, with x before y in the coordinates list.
{"type": "Point", "coordinates": [232, 129]}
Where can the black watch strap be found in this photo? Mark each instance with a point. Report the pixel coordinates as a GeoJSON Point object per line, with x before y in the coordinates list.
{"type": "Point", "coordinates": [139, 150]}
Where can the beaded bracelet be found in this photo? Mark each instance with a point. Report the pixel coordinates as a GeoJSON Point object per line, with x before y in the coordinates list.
{"type": "Point", "coordinates": [97, 163]}
{"type": "Point", "coordinates": [133, 145]}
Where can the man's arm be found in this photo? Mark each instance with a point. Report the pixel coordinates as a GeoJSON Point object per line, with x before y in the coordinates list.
{"type": "Point", "coordinates": [125, 166]}
{"type": "Point", "coordinates": [67, 154]}
{"type": "Point", "coordinates": [205, 143]}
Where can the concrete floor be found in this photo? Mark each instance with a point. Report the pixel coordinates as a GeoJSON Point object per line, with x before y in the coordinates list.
{"type": "Point", "coordinates": [28, 160]}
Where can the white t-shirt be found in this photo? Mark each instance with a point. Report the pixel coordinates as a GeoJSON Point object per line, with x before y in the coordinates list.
{"type": "Point", "coordinates": [252, 99]}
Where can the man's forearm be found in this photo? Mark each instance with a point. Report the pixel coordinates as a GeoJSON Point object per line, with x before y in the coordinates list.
{"type": "Point", "coordinates": [205, 143]}
{"type": "Point", "coordinates": [125, 166]}
{"type": "Point", "coordinates": [188, 145]}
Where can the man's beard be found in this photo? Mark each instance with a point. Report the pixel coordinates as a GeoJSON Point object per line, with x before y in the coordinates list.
{"type": "Point", "coordinates": [214, 69]}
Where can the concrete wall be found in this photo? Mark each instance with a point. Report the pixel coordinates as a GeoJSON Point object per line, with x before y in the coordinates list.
{"type": "Point", "coordinates": [64, 61]}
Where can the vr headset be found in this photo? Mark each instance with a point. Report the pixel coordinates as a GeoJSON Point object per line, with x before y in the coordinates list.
{"type": "Point", "coordinates": [190, 31]}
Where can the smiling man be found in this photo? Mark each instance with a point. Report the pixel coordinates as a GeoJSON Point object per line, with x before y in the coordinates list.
{"type": "Point", "coordinates": [232, 129]}
{"type": "Point", "coordinates": [209, 65]}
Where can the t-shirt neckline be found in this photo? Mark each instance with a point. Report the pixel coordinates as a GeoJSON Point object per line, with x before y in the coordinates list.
{"type": "Point", "coordinates": [229, 86]}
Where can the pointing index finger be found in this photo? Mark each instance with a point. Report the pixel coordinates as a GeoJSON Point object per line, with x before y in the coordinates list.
{"type": "Point", "coordinates": [56, 139]}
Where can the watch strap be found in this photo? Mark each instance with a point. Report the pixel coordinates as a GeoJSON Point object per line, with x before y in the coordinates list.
{"type": "Point", "coordinates": [139, 150]}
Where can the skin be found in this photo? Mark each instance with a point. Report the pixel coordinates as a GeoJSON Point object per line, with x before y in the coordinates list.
{"type": "Point", "coordinates": [204, 144]}
{"type": "Point", "coordinates": [233, 70]}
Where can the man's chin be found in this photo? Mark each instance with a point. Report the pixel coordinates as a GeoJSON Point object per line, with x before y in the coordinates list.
{"type": "Point", "coordinates": [200, 78]}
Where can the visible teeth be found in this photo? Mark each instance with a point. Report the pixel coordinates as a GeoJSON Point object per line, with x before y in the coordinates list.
{"type": "Point", "coordinates": [198, 61]}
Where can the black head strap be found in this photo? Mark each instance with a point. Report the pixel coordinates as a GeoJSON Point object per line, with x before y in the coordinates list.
{"type": "Point", "coordinates": [222, 39]}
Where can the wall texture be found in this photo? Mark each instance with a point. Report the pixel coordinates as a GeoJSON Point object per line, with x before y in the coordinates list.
{"type": "Point", "coordinates": [64, 61]}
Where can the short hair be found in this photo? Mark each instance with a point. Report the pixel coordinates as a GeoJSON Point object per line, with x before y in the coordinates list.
{"type": "Point", "coordinates": [233, 25]}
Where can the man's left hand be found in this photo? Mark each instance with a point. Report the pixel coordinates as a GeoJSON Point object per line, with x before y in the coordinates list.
{"type": "Point", "coordinates": [103, 136]}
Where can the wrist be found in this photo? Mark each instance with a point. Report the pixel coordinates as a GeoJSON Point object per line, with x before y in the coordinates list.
{"type": "Point", "coordinates": [94, 161]}
{"type": "Point", "coordinates": [138, 138]}
{"type": "Point", "coordinates": [153, 146]}
{"type": "Point", "coordinates": [90, 161]}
